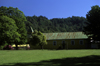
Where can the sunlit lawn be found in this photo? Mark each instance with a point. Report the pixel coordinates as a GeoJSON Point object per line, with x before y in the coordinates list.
{"type": "Point", "coordinates": [49, 57]}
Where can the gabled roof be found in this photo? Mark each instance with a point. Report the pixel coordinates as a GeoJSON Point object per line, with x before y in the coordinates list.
{"type": "Point", "coordinates": [65, 35]}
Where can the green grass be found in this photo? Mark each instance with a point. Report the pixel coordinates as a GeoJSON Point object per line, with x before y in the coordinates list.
{"type": "Point", "coordinates": [49, 57]}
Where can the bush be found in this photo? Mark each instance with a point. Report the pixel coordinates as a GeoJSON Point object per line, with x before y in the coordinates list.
{"type": "Point", "coordinates": [8, 47]}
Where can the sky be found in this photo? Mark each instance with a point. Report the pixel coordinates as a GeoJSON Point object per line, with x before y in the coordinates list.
{"type": "Point", "coordinates": [52, 8]}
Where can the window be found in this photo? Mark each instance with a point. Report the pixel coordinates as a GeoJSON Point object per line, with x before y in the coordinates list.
{"type": "Point", "coordinates": [72, 42]}
{"type": "Point", "coordinates": [81, 42]}
{"type": "Point", "coordinates": [54, 43]}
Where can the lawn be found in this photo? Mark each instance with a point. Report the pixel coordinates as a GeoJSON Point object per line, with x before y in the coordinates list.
{"type": "Point", "coordinates": [50, 57]}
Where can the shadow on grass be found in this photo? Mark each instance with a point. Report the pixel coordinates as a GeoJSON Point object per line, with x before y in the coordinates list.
{"type": "Point", "coordinates": [93, 60]}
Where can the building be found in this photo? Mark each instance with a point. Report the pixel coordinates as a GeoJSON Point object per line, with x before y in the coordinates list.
{"type": "Point", "coordinates": [65, 40]}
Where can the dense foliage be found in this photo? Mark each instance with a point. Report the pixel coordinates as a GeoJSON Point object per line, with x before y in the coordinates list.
{"type": "Point", "coordinates": [70, 24]}
{"type": "Point", "coordinates": [93, 23]}
{"type": "Point", "coordinates": [19, 18]}
{"type": "Point", "coordinates": [38, 39]}
{"type": "Point", "coordinates": [8, 31]}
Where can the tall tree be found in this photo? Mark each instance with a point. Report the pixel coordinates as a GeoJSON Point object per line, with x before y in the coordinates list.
{"type": "Point", "coordinates": [8, 31]}
{"type": "Point", "coordinates": [38, 39]}
{"type": "Point", "coordinates": [92, 27]}
{"type": "Point", "coordinates": [20, 19]}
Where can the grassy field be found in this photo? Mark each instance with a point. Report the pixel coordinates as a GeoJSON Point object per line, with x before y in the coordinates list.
{"type": "Point", "coordinates": [50, 57]}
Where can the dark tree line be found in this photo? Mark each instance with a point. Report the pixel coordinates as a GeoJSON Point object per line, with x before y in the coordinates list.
{"type": "Point", "coordinates": [70, 24]}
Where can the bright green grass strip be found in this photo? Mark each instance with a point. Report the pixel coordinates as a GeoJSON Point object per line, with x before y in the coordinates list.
{"type": "Point", "coordinates": [28, 56]}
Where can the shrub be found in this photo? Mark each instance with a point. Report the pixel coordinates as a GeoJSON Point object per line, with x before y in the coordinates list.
{"type": "Point", "coordinates": [8, 47]}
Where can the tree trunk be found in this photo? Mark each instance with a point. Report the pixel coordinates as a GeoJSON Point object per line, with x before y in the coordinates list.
{"type": "Point", "coordinates": [41, 46]}
{"type": "Point", "coordinates": [16, 47]}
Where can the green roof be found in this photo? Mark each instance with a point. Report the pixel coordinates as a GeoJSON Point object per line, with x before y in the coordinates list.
{"type": "Point", "coordinates": [65, 35]}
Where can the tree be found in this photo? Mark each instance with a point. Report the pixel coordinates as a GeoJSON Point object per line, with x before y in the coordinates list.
{"type": "Point", "coordinates": [70, 24]}
{"type": "Point", "coordinates": [38, 39]}
{"type": "Point", "coordinates": [8, 31]}
{"type": "Point", "coordinates": [20, 19]}
{"type": "Point", "coordinates": [92, 27]}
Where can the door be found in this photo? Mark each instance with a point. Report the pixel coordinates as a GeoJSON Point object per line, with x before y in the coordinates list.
{"type": "Point", "coordinates": [63, 44]}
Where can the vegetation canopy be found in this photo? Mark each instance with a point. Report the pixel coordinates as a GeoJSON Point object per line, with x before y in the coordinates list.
{"type": "Point", "coordinates": [70, 24]}
{"type": "Point", "coordinates": [19, 18]}
{"type": "Point", "coordinates": [38, 39]}
{"type": "Point", "coordinates": [8, 31]}
{"type": "Point", "coordinates": [92, 27]}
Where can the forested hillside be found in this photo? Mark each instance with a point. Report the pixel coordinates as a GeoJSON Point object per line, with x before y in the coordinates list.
{"type": "Point", "coordinates": [70, 24]}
